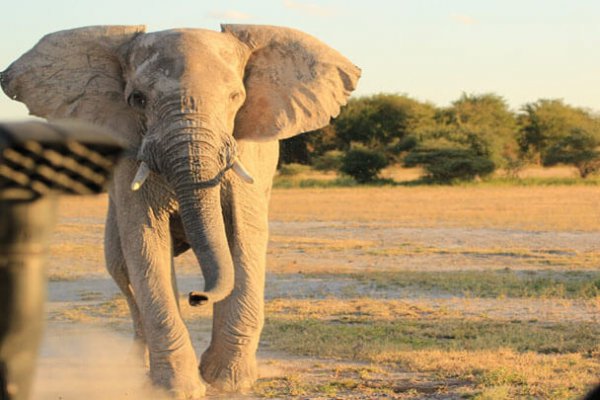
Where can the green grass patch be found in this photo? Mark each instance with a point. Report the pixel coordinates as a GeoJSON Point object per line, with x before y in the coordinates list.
{"type": "Point", "coordinates": [292, 177]}
{"type": "Point", "coordinates": [518, 359]}
{"type": "Point", "coordinates": [286, 182]}
{"type": "Point", "coordinates": [331, 383]}
{"type": "Point", "coordinates": [293, 169]}
{"type": "Point", "coordinates": [287, 386]}
{"type": "Point", "coordinates": [365, 341]}
{"type": "Point", "coordinates": [537, 181]}
{"type": "Point", "coordinates": [490, 284]}
{"type": "Point", "coordinates": [549, 257]}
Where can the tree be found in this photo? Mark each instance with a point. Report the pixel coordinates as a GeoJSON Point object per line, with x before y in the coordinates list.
{"type": "Point", "coordinates": [451, 164]}
{"type": "Point", "coordinates": [579, 149]}
{"type": "Point", "coordinates": [546, 124]}
{"type": "Point", "coordinates": [378, 122]}
{"type": "Point", "coordinates": [471, 138]}
{"type": "Point", "coordinates": [381, 121]}
{"type": "Point", "coordinates": [484, 124]}
{"type": "Point", "coordinates": [302, 149]}
{"type": "Point", "coordinates": [475, 126]}
{"type": "Point", "coordinates": [363, 164]}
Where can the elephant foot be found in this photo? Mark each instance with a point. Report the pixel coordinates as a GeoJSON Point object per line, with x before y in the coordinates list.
{"type": "Point", "coordinates": [177, 394]}
{"type": "Point", "coordinates": [181, 389]}
{"type": "Point", "coordinates": [227, 372]}
{"type": "Point", "coordinates": [179, 379]}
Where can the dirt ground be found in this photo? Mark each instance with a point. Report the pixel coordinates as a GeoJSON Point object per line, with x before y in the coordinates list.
{"type": "Point", "coordinates": [324, 246]}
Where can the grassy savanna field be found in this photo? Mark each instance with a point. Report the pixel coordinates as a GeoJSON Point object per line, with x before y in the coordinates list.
{"type": "Point", "coordinates": [478, 291]}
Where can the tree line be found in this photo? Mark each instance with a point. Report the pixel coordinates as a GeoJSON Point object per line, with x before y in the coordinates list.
{"type": "Point", "coordinates": [473, 137]}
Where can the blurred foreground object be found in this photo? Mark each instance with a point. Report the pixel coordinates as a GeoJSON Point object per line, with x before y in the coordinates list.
{"type": "Point", "coordinates": [38, 161]}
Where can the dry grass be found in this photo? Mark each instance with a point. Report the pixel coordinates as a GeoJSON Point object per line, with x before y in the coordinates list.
{"type": "Point", "coordinates": [116, 310]}
{"type": "Point", "coordinates": [353, 310]}
{"type": "Point", "coordinates": [519, 358]}
{"type": "Point", "coordinates": [553, 172]}
{"type": "Point", "coordinates": [316, 244]}
{"type": "Point", "coordinates": [399, 174]}
{"type": "Point", "coordinates": [417, 346]}
{"type": "Point", "coordinates": [77, 210]}
{"type": "Point", "coordinates": [560, 208]}
{"type": "Point", "coordinates": [518, 374]}
{"type": "Point", "coordinates": [562, 258]}
{"type": "Point", "coordinates": [486, 363]}
{"type": "Point", "coordinates": [563, 208]}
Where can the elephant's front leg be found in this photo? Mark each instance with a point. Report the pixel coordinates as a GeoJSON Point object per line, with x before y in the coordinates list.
{"type": "Point", "coordinates": [230, 361]}
{"type": "Point", "coordinates": [115, 264]}
{"type": "Point", "coordinates": [147, 249]}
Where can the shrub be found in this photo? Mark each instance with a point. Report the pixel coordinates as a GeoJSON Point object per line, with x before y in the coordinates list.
{"type": "Point", "coordinates": [363, 164]}
{"type": "Point", "coordinates": [293, 169]}
{"type": "Point", "coordinates": [447, 165]}
{"type": "Point", "coordinates": [330, 161]}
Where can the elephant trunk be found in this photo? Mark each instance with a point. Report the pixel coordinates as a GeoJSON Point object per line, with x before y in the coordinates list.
{"type": "Point", "coordinates": [193, 164]}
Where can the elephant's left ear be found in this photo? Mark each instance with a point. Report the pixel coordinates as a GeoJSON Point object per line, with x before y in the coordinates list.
{"type": "Point", "coordinates": [294, 83]}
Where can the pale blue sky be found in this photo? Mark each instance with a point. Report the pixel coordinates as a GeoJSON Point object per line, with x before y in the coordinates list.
{"type": "Point", "coordinates": [429, 49]}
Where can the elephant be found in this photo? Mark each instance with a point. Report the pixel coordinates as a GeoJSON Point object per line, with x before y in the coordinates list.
{"type": "Point", "coordinates": [202, 112]}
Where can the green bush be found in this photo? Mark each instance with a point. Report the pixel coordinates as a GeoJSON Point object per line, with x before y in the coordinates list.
{"type": "Point", "coordinates": [447, 165]}
{"type": "Point", "coordinates": [293, 169]}
{"type": "Point", "coordinates": [330, 161]}
{"type": "Point", "coordinates": [546, 125]}
{"type": "Point", "coordinates": [578, 149]}
{"type": "Point", "coordinates": [363, 164]}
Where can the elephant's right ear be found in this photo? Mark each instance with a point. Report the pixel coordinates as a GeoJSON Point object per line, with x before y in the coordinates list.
{"type": "Point", "coordinates": [74, 74]}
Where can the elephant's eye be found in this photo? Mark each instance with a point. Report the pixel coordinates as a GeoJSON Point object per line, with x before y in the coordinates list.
{"type": "Point", "coordinates": [137, 99]}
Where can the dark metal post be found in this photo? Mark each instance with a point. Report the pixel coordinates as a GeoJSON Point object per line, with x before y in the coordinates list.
{"type": "Point", "coordinates": [24, 229]}
{"type": "Point", "coordinates": [37, 161]}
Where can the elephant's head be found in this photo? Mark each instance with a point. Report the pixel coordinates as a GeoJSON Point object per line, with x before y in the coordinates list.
{"type": "Point", "coordinates": [183, 98]}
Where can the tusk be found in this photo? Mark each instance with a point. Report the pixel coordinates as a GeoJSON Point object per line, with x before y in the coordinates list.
{"type": "Point", "coordinates": [140, 177]}
{"type": "Point", "coordinates": [242, 171]}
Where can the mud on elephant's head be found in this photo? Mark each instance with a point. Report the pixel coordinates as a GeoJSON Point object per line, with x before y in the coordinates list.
{"type": "Point", "coordinates": [182, 98]}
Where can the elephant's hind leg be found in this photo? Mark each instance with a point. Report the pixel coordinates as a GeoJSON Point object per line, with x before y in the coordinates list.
{"type": "Point", "coordinates": [115, 263]}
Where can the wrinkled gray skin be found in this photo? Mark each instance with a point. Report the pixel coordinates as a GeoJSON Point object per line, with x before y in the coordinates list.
{"type": "Point", "coordinates": [189, 103]}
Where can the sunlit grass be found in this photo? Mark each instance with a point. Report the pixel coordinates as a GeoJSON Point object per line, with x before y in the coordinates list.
{"type": "Point", "coordinates": [285, 182]}
{"type": "Point", "coordinates": [483, 356]}
{"type": "Point", "coordinates": [303, 176]}
{"type": "Point", "coordinates": [525, 332]}
{"type": "Point", "coordinates": [490, 284]}
{"type": "Point", "coordinates": [506, 372]}
{"type": "Point", "coordinates": [367, 340]}
{"type": "Point", "coordinates": [560, 208]}
{"type": "Point", "coordinates": [550, 257]}
{"type": "Point", "coordinates": [559, 257]}
{"type": "Point", "coordinates": [554, 208]}
{"type": "Point", "coordinates": [520, 358]}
